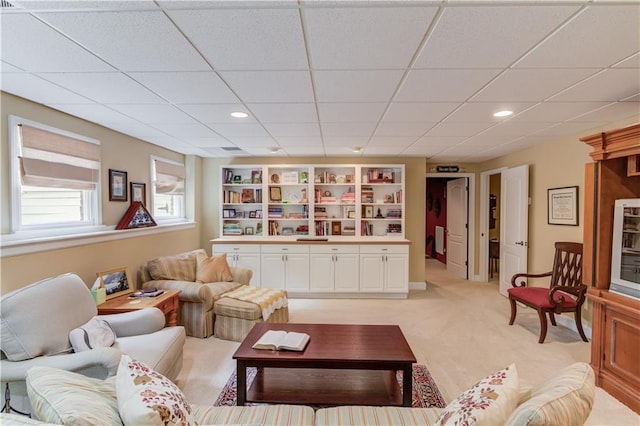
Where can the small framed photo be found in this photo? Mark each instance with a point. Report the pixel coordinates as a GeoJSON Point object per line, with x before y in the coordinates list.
{"type": "Point", "coordinates": [117, 185]}
{"type": "Point", "coordinates": [336, 228]}
{"type": "Point", "coordinates": [117, 282]}
{"type": "Point", "coordinates": [228, 213]}
{"type": "Point", "coordinates": [138, 192]}
{"type": "Point", "coordinates": [252, 214]}
{"type": "Point", "coordinates": [562, 207]}
{"type": "Point", "coordinates": [275, 194]}
{"type": "Point", "coordinates": [256, 176]}
{"type": "Point", "coordinates": [287, 230]}
{"type": "Point", "coordinates": [237, 179]}
{"type": "Point", "coordinates": [351, 214]}
{"type": "Point", "coordinates": [258, 214]}
{"type": "Point", "coordinates": [368, 211]}
{"type": "Point", "coordinates": [248, 230]}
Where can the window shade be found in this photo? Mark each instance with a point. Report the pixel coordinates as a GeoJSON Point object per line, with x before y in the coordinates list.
{"type": "Point", "coordinates": [54, 160]}
{"type": "Point", "coordinates": [169, 178]}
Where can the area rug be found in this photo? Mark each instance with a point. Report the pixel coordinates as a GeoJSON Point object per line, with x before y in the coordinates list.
{"type": "Point", "coordinates": [425, 392]}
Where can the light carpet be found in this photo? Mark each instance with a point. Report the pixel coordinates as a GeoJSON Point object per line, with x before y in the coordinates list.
{"type": "Point", "coordinates": [425, 392]}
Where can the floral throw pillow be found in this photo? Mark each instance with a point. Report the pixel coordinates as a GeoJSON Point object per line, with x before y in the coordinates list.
{"type": "Point", "coordinates": [488, 402]}
{"type": "Point", "coordinates": [146, 397]}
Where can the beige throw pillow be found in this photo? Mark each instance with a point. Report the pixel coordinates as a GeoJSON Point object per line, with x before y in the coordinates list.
{"type": "Point", "coordinates": [146, 397]}
{"type": "Point", "coordinates": [212, 269]}
{"type": "Point", "coordinates": [180, 267]}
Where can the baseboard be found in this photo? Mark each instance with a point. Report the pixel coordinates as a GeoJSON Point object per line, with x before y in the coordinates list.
{"type": "Point", "coordinates": [570, 323]}
{"type": "Point", "coordinates": [416, 285]}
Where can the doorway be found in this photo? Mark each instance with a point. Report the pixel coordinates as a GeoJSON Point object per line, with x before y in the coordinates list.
{"type": "Point", "coordinates": [440, 245]}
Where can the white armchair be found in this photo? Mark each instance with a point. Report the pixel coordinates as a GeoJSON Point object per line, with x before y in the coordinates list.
{"type": "Point", "coordinates": [35, 322]}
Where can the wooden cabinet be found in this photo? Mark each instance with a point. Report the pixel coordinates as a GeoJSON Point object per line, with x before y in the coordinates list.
{"type": "Point", "coordinates": [285, 266]}
{"type": "Point", "coordinates": [243, 256]}
{"type": "Point", "coordinates": [615, 346]}
{"type": "Point", "coordinates": [334, 268]}
{"type": "Point", "coordinates": [384, 269]}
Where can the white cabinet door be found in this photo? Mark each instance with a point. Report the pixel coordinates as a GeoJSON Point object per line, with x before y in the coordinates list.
{"type": "Point", "coordinates": [346, 272]}
{"type": "Point", "coordinates": [250, 261]}
{"type": "Point", "coordinates": [371, 272]}
{"type": "Point", "coordinates": [273, 271]}
{"type": "Point", "coordinates": [396, 267]}
{"type": "Point", "coordinates": [296, 272]}
{"type": "Point", "coordinates": [242, 256]}
{"type": "Point", "coordinates": [322, 274]}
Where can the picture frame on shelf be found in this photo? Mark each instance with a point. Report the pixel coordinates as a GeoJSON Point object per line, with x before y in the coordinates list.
{"type": "Point", "coordinates": [237, 179]}
{"type": "Point", "coordinates": [258, 214]}
{"type": "Point", "coordinates": [252, 214]}
{"type": "Point", "coordinates": [138, 192]}
{"type": "Point", "coordinates": [336, 228]}
{"type": "Point", "coordinates": [117, 185]}
{"type": "Point", "coordinates": [248, 230]}
{"type": "Point", "coordinates": [256, 176]}
{"type": "Point", "coordinates": [562, 206]}
{"type": "Point", "coordinates": [275, 193]}
{"type": "Point", "coordinates": [287, 230]}
{"type": "Point", "coordinates": [228, 213]}
{"type": "Point", "coordinates": [368, 211]}
{"type": "Point", "coordinates": [117, 282]}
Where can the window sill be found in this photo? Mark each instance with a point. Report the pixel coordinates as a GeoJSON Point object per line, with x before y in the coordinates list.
{"type": "Point", "coordinates": [12, 246]}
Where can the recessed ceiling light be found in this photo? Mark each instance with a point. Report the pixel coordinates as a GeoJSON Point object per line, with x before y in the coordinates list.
{"type": "Point", "coordinates": [503, 113]}
{"type": "Point", "coordinates": [275, 150]}
{"type": "Point", "coordinates": [357, 149]}
{"type": "Point", "coordinates": [239, 114]}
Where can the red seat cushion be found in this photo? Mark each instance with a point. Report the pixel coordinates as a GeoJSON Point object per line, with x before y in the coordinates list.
{"type": "Point", "coordinates": [539, 296]}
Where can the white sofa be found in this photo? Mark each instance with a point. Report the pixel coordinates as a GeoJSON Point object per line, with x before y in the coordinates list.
{"type": "Point", "coordinates": [35, 322]}
{"type": "Point", "coordinates": [565, 399]}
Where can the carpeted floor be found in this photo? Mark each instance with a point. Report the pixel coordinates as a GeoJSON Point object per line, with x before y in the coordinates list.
{"type": "Point", "coordinates": [425, 392]}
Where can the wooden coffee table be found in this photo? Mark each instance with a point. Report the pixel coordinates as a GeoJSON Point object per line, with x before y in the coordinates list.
{"type": "Point", "coordinates": [168, 302]}
{"type": "Point", "coordinates": [343, 364]}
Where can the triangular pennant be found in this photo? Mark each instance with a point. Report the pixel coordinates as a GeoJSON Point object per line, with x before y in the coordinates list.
{"type": "Point", "coordinates": [136, 216]}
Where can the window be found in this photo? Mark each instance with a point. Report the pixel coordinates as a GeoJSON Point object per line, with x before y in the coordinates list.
{"type": "Point", "coordinates": [168, 179]}
{"type": "Point", "coordinates": [55, 178]}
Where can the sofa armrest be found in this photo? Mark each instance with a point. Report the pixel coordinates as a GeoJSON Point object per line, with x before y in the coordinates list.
{"type": "Point", "coordinates": [104, 360]}
{"type": "Point", "coordinates": [241, 275]}
{"type": "Point", "coordinates": [189, 291]}
{"type": "Point", "coordinates": [135, 323]}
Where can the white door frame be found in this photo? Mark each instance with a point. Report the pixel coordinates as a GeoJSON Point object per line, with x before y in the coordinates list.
{"type": "Point", "coordinates": [472, 215]}
{"type": "Point", "coordinates": [483, 255]}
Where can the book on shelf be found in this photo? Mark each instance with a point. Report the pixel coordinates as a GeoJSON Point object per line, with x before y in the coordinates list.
{"type": "Point", "coordinates": [277, 340]}
{"type": "Point", "coordinates": [147, 292]}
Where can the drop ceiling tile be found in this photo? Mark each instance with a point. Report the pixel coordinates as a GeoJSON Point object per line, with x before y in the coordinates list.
{"type": "Point", "coordinates": [530, 85]}
{"type": "Point", "coordinates": [31, 87]}
{"type": "Point", "coordinates": [356, 86]}
{"type": "Point", "coordinates": [398, 142]}
{"type": "Point", "coordinates": [293, 129]}
{"type": "Point", "coordinates": [511, 129]}
{"type": "Point", "coordinates": [610, 85]}
{"type": "Point", "coordinates": [482, 112]}
{"type": "Point", "coordinates": [484, 140]}
{"type": "Point", "coordinates": [440, 141]}
{"type": "Point", "coordinates": [457, 129]}
{"type": "Point", "coordinates": [108, 88]}
{"type": "Point", "coordinates": [341, 151]}
{"type": "Point", "coordinates": [365, 38]}
{"type": "Point", "coordinates": [284, 113]}
{"type": "Point", "coordinates": [93, 112]}
{"type": "Point", "coordinates": [131, 41]}
{"type": "Point", "coordinates": [217, 113]}
{"type": "Point", "coordinates": [379, 151]}
{"type": "Point", "coordinates": [253, 142]}
{"type": "Point", "coordinates": [350, 112]}
{"type": "Point", "coordinates": [246, 39]}
{"type": "Point", "coordinates": [345, 141]}
{"type": "Point", "coordinates": [467, 36]}
{"type": "Point", "coordinates": [29, 44]}
{"type": "Point", "coordinates": [421, 151]}
{"type": "Point", "coordinates": [443, 85]}
{"type": "Point", "coordinates": [219, 4]}
{"type": "Point", "coordinates": [270, 86]}
{"type": "Point", "coordinates": [403, 129]}
{"type": "Point", "coordinates": [308, 151]}
{"type": "Point", "coordinates": [231, 130]}
{"type": "Point", "coordinates": [399, 112]}
{"type": "Point", "coordinates": [295, 141]}
{"type": "Point", "coordinates": [573, 128]}
{"type": "Point", "coordinates": [86, 5]}
{"type": "Point", "coordinates": [152, 114]}
{"type": "Point", "coordinates": [186, 131]}
{"type": "Point", "coordinates": [187, 87]}
{"type": "Point", "coordinates": [7, 67]}
{"type": "Point", "coordinates": [209, 142]}
{"type": "Point", "coordinates": [611, 113]}
{"type": "Point", "coordinates": [347, 129]}
{"type": "Point", "coordinates": [587, 41]}
{"type": "Point", "coordinates": [556, 111]}
{"type": "Point", "coordinates": [631, 62]}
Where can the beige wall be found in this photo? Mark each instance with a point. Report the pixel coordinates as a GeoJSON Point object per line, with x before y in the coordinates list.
{"type": "Point", "coordinates": [414, 198]}
{"type": "Point", "coordinates": [118, 152]}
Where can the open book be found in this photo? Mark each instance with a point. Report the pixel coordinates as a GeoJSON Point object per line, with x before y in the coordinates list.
{"type": "Point", "coordinates": [276, 340]}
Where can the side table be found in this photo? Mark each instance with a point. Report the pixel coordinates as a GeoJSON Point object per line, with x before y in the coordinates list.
{"type": "Point", "coordinates": [167, 302]}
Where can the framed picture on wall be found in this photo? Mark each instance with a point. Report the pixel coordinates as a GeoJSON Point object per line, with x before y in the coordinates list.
{"type": "Point", "coordinates": [138, 192]}
{"type": "Point", "coordinates": [562, 206]}
{"type": "Point", "coordinates": [117, 185]}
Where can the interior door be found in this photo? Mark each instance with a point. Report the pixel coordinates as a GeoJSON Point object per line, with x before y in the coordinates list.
{"type": "Point", "coordinates": [456, 233]}
{"type": "Point", "coordinates": [514, 220]}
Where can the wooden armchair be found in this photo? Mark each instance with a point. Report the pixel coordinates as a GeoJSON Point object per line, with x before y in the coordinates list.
{"type": "Point", "coordinates": [566, 292]}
